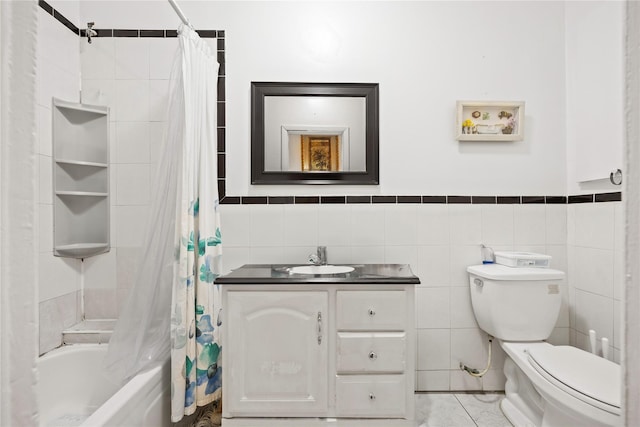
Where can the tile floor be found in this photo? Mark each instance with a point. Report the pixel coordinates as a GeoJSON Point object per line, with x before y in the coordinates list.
{"type": "Point", "coordinates": [460, 410]}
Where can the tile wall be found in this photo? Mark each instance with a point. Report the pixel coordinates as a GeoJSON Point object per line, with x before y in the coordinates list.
{"type": "Point", "coordinates": [438, 239]}
{"type": "Point", "coordinates": [595, 238]}
{"type": "Point", "coordinates": [58, 75]}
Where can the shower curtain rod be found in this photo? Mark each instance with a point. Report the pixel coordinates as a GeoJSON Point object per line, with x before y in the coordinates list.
{"type": "Point", "coordinates": [179, 12]}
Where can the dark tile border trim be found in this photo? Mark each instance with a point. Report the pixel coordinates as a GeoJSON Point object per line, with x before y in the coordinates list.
{"type": "Point", "coordinates": [452, 200]}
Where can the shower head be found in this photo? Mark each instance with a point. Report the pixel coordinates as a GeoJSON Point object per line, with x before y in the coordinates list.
{"type": "Point", "coordinates": [90, 31]}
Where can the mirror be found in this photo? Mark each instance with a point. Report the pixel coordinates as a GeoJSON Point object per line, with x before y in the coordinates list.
{"type": "Point", "coordinates": [314, 133]}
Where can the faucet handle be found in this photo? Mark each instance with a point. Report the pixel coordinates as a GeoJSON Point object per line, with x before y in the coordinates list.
{"type": "Point", "coordinates": [314, 259]}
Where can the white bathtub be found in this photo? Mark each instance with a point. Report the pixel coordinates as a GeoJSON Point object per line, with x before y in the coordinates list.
{"type": "Point", "coordinates": [74, 390]}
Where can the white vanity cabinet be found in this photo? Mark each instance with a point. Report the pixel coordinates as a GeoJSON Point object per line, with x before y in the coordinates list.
{"type": "Point", "coordinates": [310, 354]}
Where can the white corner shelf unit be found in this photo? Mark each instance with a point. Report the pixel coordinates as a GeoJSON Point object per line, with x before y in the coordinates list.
{"type": "Point", "coordinates": [80, 179]}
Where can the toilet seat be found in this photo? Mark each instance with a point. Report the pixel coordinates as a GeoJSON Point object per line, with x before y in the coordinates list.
{"type": "Point", "coordinates": [585, 376]}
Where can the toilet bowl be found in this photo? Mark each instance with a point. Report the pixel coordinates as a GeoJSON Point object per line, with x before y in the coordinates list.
{"type": "Point", "coordinates": [546, 385]}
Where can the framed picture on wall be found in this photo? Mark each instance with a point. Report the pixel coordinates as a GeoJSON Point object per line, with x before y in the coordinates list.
{"type": "Point", "coordinates": [490, 120]}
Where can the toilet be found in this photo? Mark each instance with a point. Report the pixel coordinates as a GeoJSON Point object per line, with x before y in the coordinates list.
{"type": "Point", "coordinates": [546, 385]}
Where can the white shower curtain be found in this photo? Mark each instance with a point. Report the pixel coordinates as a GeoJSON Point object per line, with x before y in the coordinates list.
{"type": "Point", "coordinates": [18, 201]}
{"type": "Point", "coordinates": [196, 307]}
{"type": "Point", "coordinates": [174, 307]}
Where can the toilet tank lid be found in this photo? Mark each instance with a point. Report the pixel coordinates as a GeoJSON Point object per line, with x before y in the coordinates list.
{"type": "Point", "coordinates": [502, 272]}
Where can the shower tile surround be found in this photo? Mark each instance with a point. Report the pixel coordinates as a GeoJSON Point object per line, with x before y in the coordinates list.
{"type": "Point", "coordinates": [438, 235]}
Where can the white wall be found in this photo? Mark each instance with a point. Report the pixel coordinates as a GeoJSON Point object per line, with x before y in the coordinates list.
{"type": "Point", "coordinates": [425, 55]}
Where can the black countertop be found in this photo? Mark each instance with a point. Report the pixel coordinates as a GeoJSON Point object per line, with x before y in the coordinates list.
{"type": "Point", "coordinates": [251, 274]}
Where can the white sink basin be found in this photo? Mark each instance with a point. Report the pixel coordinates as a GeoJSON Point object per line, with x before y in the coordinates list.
{"type": "Point", "coordinates": [321, 269]}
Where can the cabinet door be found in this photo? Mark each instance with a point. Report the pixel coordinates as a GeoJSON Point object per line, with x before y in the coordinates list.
{"type": "Point", "coordinates": [277, 346]}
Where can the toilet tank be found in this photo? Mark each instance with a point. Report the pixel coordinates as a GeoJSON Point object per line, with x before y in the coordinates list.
{"type": "Point", "coordinates": [515, 304]}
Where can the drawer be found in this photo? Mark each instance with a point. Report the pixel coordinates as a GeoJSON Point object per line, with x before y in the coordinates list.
{"type": "Point", "coordinates": [372, 310]}
{"type": "Point", "coordinates": [371, 352]}
{"type": "Point", "coordinates": [371, 396]}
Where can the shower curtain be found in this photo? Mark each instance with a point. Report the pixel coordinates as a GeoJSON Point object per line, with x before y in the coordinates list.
{"type": "Point", "coordinates": [196, 307]}
{"type": "Point", "coordinates": [18, 214]}
{"type": "Point", "coordinates": [173, 311]}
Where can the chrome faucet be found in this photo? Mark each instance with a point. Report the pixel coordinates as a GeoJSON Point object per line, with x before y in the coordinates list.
{"type": "Point", "coordinates": [320, 257]}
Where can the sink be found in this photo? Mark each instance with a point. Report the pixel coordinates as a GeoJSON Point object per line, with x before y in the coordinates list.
{"type": "Point", "coordinates": [321, 269]}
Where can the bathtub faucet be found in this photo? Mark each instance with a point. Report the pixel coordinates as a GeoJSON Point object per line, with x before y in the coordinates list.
{"type": "Point", "coordinates": [320, 257]}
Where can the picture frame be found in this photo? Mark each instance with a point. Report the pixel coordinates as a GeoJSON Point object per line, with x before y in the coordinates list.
{"type": "Point", "coordinates": [490, 120]}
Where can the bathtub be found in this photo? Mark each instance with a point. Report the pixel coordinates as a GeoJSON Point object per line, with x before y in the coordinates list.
{"type": "Point", "coordinates": [74, 390]}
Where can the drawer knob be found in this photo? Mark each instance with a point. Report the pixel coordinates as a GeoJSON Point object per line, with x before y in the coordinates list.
{"type": "Point", "coordinates": [371, 312]}
{"type": "Point", "coordinates": [372, 396]}
{"type": "Point", "coordinates": [372, 355]}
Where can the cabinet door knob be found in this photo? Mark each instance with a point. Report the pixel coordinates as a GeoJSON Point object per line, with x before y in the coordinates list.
{"type": "Point", "coordinates": [372, 396]}
{"type": "Point", "coordinates": [371, 312]}
{"type": "Point", "coordinates": [373, 355]}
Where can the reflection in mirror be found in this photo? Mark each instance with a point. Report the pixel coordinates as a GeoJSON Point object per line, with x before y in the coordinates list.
{"type": "Point", "coordinates": [308, 133]}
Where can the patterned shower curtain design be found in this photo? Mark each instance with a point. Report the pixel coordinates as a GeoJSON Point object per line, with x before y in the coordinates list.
{"type": "Point", "coordinates": [196, 301]}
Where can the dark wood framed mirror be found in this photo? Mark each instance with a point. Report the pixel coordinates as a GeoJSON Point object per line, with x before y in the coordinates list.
{"type": "Point", "coordinates": [314, 133]}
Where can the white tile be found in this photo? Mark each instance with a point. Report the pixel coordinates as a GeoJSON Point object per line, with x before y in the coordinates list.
{"type": "Point", "coordinates": [59, 83]}
{"type": "Point", "coordinates": [432, 381]}
{"type": "Point", "coordinates": [100, 271]}
{"type": "Point", "coordinates": [465, 224]}
{"type": "Point", "coordinates": [162, 53]}
{"type": "Point", "coordinates": [158, 100]}
{"type": "Point", "coordinates": [334, 225]}
{"type": "Point", "coordinates": [563, 316]}
{"type": "Point", "coordinates": [132, 142]}
{"type": "Point", "coordinates": [530, 224]}
{"type": "Point", "coordinates": [367, 225]}
{"type": "Point", "coordinates": [267, 255]}
{"type": "Point", "coordinates": [131, 58]}
{"type": "Point", "coordinates": [156, 141]}
{"type": "Point", "coordinates": [439, 410]}
{"type": "Point", "coordinates": [433, 349]}
{"type": "Point", "coordinates": [45, 141]}
{"type": "Point", "coordinates": [98, 58]}
{"type": "Point", "coordinates": [619, 276]}
{"type": "Point", "coordinates": [131, 221]}
{"type": "Point", "coordinates": [594, 270]}
{"type": "Point", "coordinates": [236, 257]}
{"type": "Point", "coordinates": [100, 92]}
{"type": "Point", "coordinates": [132, 100]}
{"type": "Point", "coordinates": [497, 225]}
{"type": "Point", "coordinates": [132, 183]}
{"type": "Point", "coordinates": [571, 224]}
{"type": "Point", "coordinates": [462, 315]}
{"type": "Point", "coordinates": [559, 336]}
{"type": "Point", "coordinates": [235, 223]}
{"type": "Point", "coordinates": [301, 225]}
{"type": "Point", "coordinates": [57, 44]}
{"type": "Point", "coordinates": [45, 228]}
{"type": "Point", "coordinates": [367, 254]}
{"type": "Point", "coordinates": [100, 304]}
{"type": "Point", "coordinates": [595, 225]}
{"type": "Point", "coordinates": [45, 179]}
{"type": "Point", "coordinates": [113, 226]}
{"type": "Point", "coordinates": [556, 224]}
{"type": "Point", "coordinates": [618, 321]}
{"type": "Point", "coordinates": [113, 184]}
{"type": "Point", "coordinates": [433, 265]}
{"type": "Point", "coordinates": [267, 225]}
{"type": "Point", "coordinates": [559, 257]}
{"type": "Point", "coordinates": [432, 308]}
{"type": "Point", "coordinates": [433, 224]}
{"type": "Point", "coordinates": [461, 258]}
{"type": "Point", "coordinates": [127, 266]}
{"type": "Point", "coordinates": [594, 312]}
{"type": "Point", "coordinates": [462, 381]}
{"type": "Point", "coordinates": [401, 255]}
{"type": "Point", "coordinates": [57, 276]}
{"type": "Point", "coordinates": [299, 254]}
{"type": "Point", "coordinates": [469, 346]}
{"type": "Point", "coordinates": [400, 224]}
{"type": "Point", "coordinates": [619, 227]}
